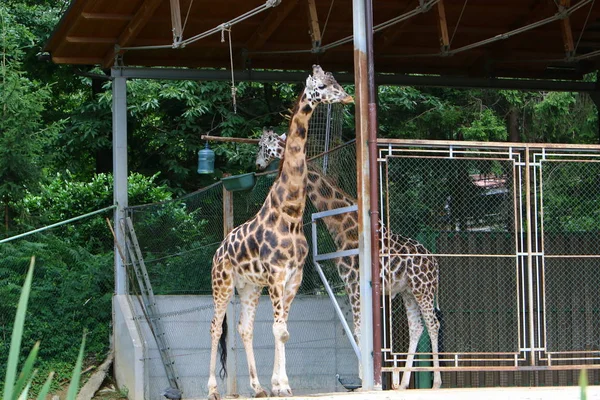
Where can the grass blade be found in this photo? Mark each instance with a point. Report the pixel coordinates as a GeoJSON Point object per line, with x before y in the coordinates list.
{"type": "Point", "coordinates": [74, 386]}
{"type": "Point", "coordinates": [46, 388]}
{"type": "Point", "coordinates": [583, 383]}
{"type": "Point", "coordinates": [25, 392]}
{"type": "Point", "coordinates": [25, 374]}
{"type": "Point", "coordinates": [17, 336]}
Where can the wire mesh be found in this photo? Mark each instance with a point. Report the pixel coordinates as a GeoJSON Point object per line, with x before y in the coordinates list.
{"type": "Point", "coordinates": [71, 292]}
{"type": "Point", "coordinates": [517, 258]}
{"type": "Point", "coordinates": [325, 129]}
{"type": "Point", "coordinates": [178, 239]}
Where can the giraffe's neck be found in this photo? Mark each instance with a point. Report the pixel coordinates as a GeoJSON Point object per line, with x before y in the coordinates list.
{"type": "Point", "coordinates": [326, 196]}
{"type": "Point", "coordinates": [287, 196]}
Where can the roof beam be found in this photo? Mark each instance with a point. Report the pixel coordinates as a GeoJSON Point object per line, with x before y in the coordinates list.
{"type": "Point", "coordinates": [95, 40]}
{"type": "Point", "coordinates": [392, 34]}
{"type": "Point", "coordinates": [270, 24]}
{"type": "Point", "coordinates": [106, 16]}
{"type": "Point", "coordinates": [313, 25]}
{"type": "Point", "coordinates": [442, 27]}
{"type": "Point", "coordinates": [567, 33]}
{"type": "Point", "coordinates": [132, 29]}
{"type": "Point", "coordinates": [348, 78]}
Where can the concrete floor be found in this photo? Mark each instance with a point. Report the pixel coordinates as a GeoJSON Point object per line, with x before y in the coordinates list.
{"type": "Point", "coordinates": [545, 393]}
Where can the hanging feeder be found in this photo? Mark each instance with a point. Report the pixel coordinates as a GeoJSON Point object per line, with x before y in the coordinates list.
{"type": "Point", "coordinates": [239, 182]}
{"type": "Point", "coordinates": [206, 160]}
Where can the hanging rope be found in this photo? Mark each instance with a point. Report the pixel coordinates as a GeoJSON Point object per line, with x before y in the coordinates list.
{"type": "Point", "coordinates": [226, 27]}
{"type": "Point", "coordinates": [584, 26]}
{"type": "Point", "coordinates": [458, 22]}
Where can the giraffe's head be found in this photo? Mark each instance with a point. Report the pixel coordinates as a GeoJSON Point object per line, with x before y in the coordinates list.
{"type": "Point", "coordinates": [321, 87]}
{"type": "Point", "coordinates": [270, 147]}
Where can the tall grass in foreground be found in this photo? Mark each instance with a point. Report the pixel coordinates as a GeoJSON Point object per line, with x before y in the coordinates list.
{"type": "Point", "coordinates": [16, 387]}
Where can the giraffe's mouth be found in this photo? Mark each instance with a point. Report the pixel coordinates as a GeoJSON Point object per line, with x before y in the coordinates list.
{"type": "Point", "coordinates": [347, 100]}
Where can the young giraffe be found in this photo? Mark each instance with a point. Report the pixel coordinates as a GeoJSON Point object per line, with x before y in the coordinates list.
{"type": "Point", "coordinates": [415, 278]}
{"type": "Point", "coordinates": [270, 249]}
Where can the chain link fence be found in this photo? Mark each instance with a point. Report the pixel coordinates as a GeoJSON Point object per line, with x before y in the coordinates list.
{"type": "Point", "coordinates": [178, 239]}
{"type": "Point", "coordinates": [71, 294]}
{"type": "Point", "coordinates": [515, 232]}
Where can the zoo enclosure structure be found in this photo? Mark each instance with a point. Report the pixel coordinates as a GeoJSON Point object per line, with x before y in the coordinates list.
{"type": "Point", "coordinates": [515, 228]}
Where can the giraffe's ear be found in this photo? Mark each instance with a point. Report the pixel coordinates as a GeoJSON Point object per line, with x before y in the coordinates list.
{"type": "Point", "coordinates": [310, 83]}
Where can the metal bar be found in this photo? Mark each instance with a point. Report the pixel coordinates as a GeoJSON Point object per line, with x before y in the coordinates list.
{"type": "Point", "coordinates": [529, 257]}
{"type": "Point", "coordinates": [336, 254]}
{"type": "Point", "coordinates": [466, 144]}
{"type": "Point", "coordinates": [229, 139]}
{"type": "Point", "coordinates": [119, 140]}
{"type": "Point", "coordinates": [228, 226]}
{"type": "Point", "coordinates": [335, 211]}
{"type": "Point", "coordinates": [67, 221]}
{"type": "Point", "coordinates": [374, 194]}
{"type": "Point", "coordinates": [338, 310]}
{"type": "Point", "coordinates": [345, 77]}
{"type": "Point", "coordinates": [362, 188]}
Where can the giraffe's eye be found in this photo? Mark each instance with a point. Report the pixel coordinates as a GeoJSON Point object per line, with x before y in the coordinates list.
{"type": "Point", "coordinates": [322, 87]}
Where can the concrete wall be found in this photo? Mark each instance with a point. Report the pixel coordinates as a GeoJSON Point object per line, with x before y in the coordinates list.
{"type": "Point", "coordinates": [318, 348]}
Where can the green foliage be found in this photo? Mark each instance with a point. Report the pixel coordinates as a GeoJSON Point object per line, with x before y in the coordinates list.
{"type": "Point", "coordinates": [23, 131]}
{"type": "Point", "coordinates": [18, 387]}
{"type": "Point", "coordinates": [73, 294]}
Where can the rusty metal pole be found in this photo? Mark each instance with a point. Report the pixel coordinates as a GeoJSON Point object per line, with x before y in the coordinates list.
{"type": "Point", "coordinates": [363, 191]}
{"type": "Point", "coordinates": [374, 196]}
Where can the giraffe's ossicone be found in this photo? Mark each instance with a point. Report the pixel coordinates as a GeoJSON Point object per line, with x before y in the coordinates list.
{"type": "Point", "coordinates": [269, 250]}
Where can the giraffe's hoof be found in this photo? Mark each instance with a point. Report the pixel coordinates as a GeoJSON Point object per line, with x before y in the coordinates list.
{"type": "Point", "coordinates": [282, 392]}
{"type": "Point", "coordinates": [262, 393]}
{"type": "Point", "coordinates": [214, 396]}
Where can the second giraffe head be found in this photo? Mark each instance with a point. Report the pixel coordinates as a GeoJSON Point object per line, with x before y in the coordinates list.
{"type": "Point", "coordinates": [321, 87]}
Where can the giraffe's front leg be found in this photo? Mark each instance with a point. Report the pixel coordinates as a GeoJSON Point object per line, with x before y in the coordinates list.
{"type": "Point", "coordinates": [249, 296]}
{"type": "Point", "coordinates": [282, 299]}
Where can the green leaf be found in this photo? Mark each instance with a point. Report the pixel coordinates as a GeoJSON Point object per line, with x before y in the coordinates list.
{"type": "Point", "coordinates": [25, 375]}
{"type": "Point", "coordinates": [74, 386]}
{"type": "Point", "coordinates": [17, 336]}
{"type": "Point", "coordinates": [46, 388]}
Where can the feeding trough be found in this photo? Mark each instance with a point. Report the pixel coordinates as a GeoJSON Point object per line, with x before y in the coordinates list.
{"type": "Point", "coordinates": [239, 182]}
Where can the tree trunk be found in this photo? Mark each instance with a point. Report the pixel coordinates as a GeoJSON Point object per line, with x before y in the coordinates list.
{"type": "Point", "coordinates": [513, 125]}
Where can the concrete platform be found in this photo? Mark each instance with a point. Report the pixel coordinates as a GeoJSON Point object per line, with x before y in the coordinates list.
{"type": "Point", "coordinates": [545, 393]}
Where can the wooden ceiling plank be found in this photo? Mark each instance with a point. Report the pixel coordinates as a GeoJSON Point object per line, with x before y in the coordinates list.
{"type": "Point", "coordinates": [133, 28]}
{"type": "Point", "coordinates": [442, 26]}
{"type": "Point", "coordinates": [567, 32]}
{"type": "Point", "coordinates": [96, 40]}
{"type": "Point", "coordinates": [106, 16]}
{"type": "Point", "coordinates": [176, 21]}
{"type": "Point", "coordinates": [270, 24]}
{"type": "Point", "coordinates": [390, 35]}
{"type": "Point", "coordinates": [313, 22]}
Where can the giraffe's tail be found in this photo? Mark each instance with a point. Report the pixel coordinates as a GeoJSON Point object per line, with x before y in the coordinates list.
{"type": "Point", "coordinates": [223, 349]}
{"type": "Point", "coordinates": [440, 317]}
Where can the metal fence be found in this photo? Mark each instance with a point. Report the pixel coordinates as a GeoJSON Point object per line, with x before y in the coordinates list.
{"type": "Point", "coordinates": [71, 292]}
{"type": "Point", "coordinates": [178, 239]}
{"type": "Point", "coordinates": [515, 231]}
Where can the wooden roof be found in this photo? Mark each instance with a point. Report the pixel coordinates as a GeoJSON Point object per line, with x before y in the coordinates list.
{"type": "Point", "coordinates": [281, 37]}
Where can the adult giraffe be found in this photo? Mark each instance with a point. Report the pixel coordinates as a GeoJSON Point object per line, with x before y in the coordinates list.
{"type": "Point", "coordinates": [411, 271]}
{"type": "Point", "coordinates": [269, 250]}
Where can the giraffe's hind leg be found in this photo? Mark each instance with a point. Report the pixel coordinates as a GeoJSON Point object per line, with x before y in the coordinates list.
{"type": "Point", "coordinates": [249, 296]}
{"type": "Point", "coordinates": [221, 296]}
{"type": "Point", "coordinates": [415, 329]}
{"type": "Point", "coordinates": [433, 328]}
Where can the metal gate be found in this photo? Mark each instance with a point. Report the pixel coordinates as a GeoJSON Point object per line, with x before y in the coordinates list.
{"type": "Point", "coordinates": [515, 229]}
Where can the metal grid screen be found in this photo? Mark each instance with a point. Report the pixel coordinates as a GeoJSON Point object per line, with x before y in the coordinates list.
{"type": "Point", "coordinates": [513, 298]}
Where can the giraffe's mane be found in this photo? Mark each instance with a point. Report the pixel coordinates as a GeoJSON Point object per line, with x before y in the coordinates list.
{"type": "Point", "coordinates": [294, 111]}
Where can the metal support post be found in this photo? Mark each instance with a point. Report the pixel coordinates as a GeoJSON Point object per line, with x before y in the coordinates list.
{"type": "Point", "coordinates": [232, 358]}
{"type": "Point", "coordinates": [362, 163]}
{"type": "Point", "coordinates": [119, 140]}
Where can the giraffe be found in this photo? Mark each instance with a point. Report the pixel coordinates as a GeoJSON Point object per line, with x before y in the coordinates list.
{"type": "Point", "coordinates": [269, 250]}
{"type": "Point", "coordinates": [415, 278]}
